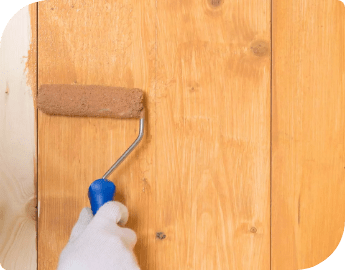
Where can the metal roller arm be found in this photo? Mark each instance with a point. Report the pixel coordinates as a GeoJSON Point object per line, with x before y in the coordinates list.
{"type": "Point", "coordinates": [129, 150]}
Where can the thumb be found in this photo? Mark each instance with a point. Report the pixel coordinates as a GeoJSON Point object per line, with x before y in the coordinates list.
{"type": "Point", "coordinates": [84, 219]}
{"type": "Point", "coordinates": [112, 212]}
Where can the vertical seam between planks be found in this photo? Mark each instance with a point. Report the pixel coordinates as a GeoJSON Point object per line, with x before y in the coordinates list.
{"type": "Point", "coordinates": [155, 97]}
{"type": "Point", "coordinates": [37, 206]}
{"type": "Point", "coordinates": [271, 126]}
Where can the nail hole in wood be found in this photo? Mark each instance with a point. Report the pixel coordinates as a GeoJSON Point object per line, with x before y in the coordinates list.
{"type": "Point", "coordinates": [160, 235]}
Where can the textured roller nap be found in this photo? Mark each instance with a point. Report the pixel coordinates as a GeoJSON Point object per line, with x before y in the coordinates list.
{"type": "Point", "coordinates": [90, 100]}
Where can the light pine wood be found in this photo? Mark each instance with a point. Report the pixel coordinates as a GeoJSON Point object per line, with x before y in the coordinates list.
{"type": "Point", "coordinates": [200, 180]}
{"type": "Point", "coordinates": [105, 43]}
{"type": "Point", "coordinates": [18, 143]}
{"type": "Point", "coordinates": [201, 176]}
{"type": "Point", "coordinates": [308, 127]}
{"type": "Point", "coordinates": [213, 134]}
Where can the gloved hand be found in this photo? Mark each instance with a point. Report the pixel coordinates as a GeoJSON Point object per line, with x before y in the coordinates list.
{"type": "Point", "coordinates": [98, 243]}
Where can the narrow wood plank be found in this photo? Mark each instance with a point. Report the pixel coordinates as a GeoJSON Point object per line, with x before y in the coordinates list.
{"type": "Point", "coordinates": [105, 43]}
{"type": "Point", "coordinates": [308, 130]}
{"type": "Point", "coordinates": [18, 142]}
{"type": "Point", "coordinates": [213, 134]}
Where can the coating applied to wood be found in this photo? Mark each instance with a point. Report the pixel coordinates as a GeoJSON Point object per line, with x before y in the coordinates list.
{"type": "Point", "coordinates": [308, 127]}
{"type": "Point", "coordinates": [197, 188]}
{"type": "Point", "coordinates": [74, 151]}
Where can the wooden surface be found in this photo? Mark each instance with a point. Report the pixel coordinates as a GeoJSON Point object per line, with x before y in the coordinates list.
{"type": "Point", "coordinates": [107, 44]}
{"type": "Point", "coordinates": [18, 144]}
{"type": "Point", "coordinates": [308, 127]}
{"type": "Point", "coordinates": [212, 134]}
{"type": "Point", "coordinates": [201, 175]}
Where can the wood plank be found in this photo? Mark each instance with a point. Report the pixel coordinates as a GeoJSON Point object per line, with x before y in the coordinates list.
{"type": "Point", "coordinates": [213, 134]}
{"type": "Point", "coordinates": [199, 184]}
{"type": "Point", "coordinates": [308, 132]}
{"type": "Point", "coordinates": [105, 43]}
{"type": "Point", "coordinates": [18, 142]}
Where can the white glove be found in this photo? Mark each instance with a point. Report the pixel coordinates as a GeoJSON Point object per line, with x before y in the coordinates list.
{"type": "Point", "coordinates": [98, 243]}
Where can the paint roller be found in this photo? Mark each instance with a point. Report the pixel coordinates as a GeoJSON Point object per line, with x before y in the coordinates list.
{"type": "Point", "coordinates": [95, 101]}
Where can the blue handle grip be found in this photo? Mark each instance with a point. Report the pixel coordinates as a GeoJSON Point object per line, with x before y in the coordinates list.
{"type": "Point", "coordinates": [101, 191]}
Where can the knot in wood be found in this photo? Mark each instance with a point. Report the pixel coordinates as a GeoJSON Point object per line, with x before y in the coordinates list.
{"type": "Point", "coordinates": [215, 3]}
{"type": "Point", "coordinates": [260, 48]}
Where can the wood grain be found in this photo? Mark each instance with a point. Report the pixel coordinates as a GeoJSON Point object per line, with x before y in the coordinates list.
{"type": "Point", "coordinates": [213, 134]}
{"type": "Point", "coordinates": [308, 130]}
{"type": "Point", "coordinates": [102, 43]}
{"type": "Point", "coordinates": [18, 143]}
{"type": "Point", "coordinates": [198, 187]}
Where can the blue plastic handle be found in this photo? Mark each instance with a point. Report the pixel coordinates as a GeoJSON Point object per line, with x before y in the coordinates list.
{"type": "Point", "coordinates": [101, 191]}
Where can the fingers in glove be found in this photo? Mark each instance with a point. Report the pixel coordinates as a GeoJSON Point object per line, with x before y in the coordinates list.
{"type": "Point", "coordinates": [113, 212]}
{"type": "Point", "coordinates": [128, 237]}
{"type": "Point", "coordinates": [85, 218]}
